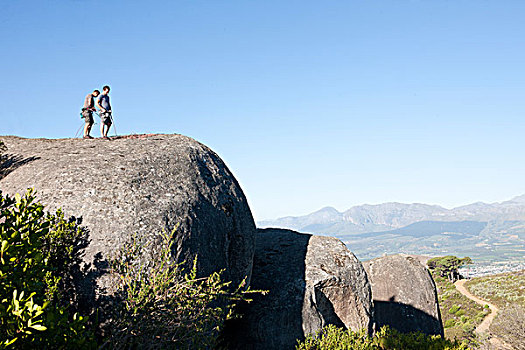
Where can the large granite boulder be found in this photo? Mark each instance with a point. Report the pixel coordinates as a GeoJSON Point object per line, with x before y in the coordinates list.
{"type": "Point", "coordinates": [140, 185]}
{"type": "Point", "coordinates": [404, 293]}
{"type": "Point", "coordinates": [312, 281]}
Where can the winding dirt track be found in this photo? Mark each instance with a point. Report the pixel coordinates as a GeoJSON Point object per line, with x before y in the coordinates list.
{"type": "Point", "coordinates": [483, 327]}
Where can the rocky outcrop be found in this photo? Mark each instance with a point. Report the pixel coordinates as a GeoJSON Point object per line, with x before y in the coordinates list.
{"type": "Point", "coordinates": [312, 281]}
{"type": "Point", "coordinates": [142, 186]}
{"type": "Point", "coordinates": [405, 295]}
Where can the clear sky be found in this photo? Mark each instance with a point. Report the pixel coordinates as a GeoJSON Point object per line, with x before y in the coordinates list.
{"type": "Point", "coordinates": [310, 103]}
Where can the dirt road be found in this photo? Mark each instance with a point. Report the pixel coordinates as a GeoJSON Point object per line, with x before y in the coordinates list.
{"type": "Point", "coordinates": [483, 327]}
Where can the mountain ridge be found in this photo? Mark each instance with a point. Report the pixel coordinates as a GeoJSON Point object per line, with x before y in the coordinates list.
{"type": "Point", "coordinates": [488, 232]}
{"type": "Point", "coordinates": [394, 215]}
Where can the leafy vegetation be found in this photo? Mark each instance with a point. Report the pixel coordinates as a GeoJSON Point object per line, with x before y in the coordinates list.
{"type": "Point", "coordinates": [447, 266]}
{"type": "Point", "coordinates": [38, 255]}
{"type": "Point", "coordinates": [507, 291]}
{"type": "Point", "coordinates": [333, 338]}
{"type": "Point", "coordinates": [156, 305]}
{"type": "Point", "coordinates": [164, 307]}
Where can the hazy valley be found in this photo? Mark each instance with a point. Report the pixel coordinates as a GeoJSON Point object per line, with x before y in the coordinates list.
{"type": "Point", "coordinates": [490, 233]}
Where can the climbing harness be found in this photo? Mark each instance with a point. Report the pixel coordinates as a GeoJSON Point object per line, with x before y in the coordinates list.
{"type": "Point", "coordinates": [98, 115]}
{"type": "Point", "coordinates": [77, 134]}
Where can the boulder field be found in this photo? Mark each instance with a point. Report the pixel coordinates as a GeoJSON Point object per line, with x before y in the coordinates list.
{"type": "Point", "coordinates": [144, 185]}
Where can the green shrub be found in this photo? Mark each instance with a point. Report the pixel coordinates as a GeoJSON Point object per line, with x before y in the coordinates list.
{"type": "Point", "coordinates": [460, 313]}
{"type": "Point", "coordinates": [454, 309]}
{"type": "Point", "coordinates": [155, 306]}
{"type": "Point", "coordinates": [449, 323]}
{"type": "Point", "coordinates": [162, 306]}
{"type": "Point", "coordinates": [468, 327]}
{"type": "Point", "coordinates": [481, 315]}
{"type": "Point", "coordinates": [37, 260]}
{"type": "Point", "coordinates": [333, 338]}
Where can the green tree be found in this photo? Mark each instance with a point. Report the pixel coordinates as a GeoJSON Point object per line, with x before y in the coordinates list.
{"type": "Point", "coordinates": [448, 266]}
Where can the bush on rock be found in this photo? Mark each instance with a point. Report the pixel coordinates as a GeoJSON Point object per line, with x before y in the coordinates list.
{"type": "Point", "coordinates": [161, 306]}
{"type": "Point", "coordinates": [38, 256]}
{"type": "Point", "coordinates": [157, 304]}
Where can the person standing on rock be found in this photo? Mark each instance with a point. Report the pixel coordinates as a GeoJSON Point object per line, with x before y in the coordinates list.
{"type": "Point", "coordinates": [105, 112]}
{"type": "Point", "coordinates": [87, 112]}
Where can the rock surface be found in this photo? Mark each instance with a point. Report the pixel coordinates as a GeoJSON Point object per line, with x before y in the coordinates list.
{"type": "Point", "coordinates": [313, 281]}
{"type": "Point", "coordinates": [404, 293]}
{"type": "Point", "coordinates": [142, 186]}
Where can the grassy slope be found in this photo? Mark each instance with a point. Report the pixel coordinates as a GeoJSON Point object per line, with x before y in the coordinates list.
{"type": "Point", "coordinates": [501, 290]}
{"type": "Point", "coordinates": [507, 291]}
{"type": "Point", "coordinates": [460, 315]}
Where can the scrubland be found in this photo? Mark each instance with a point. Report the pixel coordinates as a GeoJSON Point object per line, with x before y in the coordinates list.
{"type": "Point", "coordinates": [459, 314]}
{"type": "Point", "coordinates": [507, 291]}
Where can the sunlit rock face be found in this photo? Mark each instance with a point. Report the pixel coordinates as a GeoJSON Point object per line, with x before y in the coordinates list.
{"type": "Point", "coordinates": [140, 185]}
{"type": "Point", "coordinates": [404, 294]}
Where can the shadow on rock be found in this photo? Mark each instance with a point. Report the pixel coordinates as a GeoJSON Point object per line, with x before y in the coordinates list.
{"type": "Point", "coordinates": [80, 283]}
{"type": "Point", "coordinates": [404, 293]}
{"type": "Point", "coordinates": [313, 281]}
{"type": "Point", "coordinates": [11, 162]}
{"type": "Point", "coordinates": [405, 318]}
{"type": "Point", "coordinates": [327, 310]}
{"type": "Point", "coordinates": [273, 321]}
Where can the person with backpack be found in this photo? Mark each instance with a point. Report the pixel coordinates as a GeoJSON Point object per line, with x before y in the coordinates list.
{"type": "Point", "coordinates": [87, 112]}
{"type": "Point", "coordinates": [104, 112]}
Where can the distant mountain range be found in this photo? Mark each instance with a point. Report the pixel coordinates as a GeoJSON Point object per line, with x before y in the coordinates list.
{"type": "Point", "coordinates": [486, 231]}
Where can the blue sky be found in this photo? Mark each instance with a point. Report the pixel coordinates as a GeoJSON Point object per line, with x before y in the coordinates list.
{"type": "Point", "coordinates": [310, 103]}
